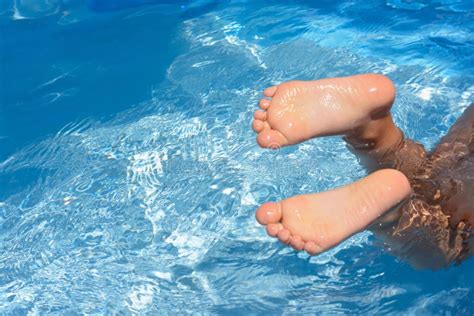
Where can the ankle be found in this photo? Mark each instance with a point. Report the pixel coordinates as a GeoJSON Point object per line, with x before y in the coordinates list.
{"type": "Point", "coordinates": [379, 134]}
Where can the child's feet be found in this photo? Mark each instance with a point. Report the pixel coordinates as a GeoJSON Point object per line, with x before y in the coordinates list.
{"type": "Point", "coordinates": [319, 221]}
{"type": "Point", "coordinates": [299, 110]}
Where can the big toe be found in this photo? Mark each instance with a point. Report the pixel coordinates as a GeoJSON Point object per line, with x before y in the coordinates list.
{"type": "Point", "coordinates": [268, 213]}
{"type": "Point", "coordinates": [271, 139]}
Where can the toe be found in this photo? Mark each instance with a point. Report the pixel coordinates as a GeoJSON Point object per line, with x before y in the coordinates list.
{"type": "Point", "coordinates": [268, 213]}
{"type": "Point", "coordinates": [260, 115]}
{"type": "Point", "coordinates": [297, 243]}
{"type": "Point", "coordinates": [284, 236]}
{"type": "Point", "coordinates": [270, 92]}
{"type": "Point", "coordinates": [264, 104]}
{"type": "Point", "coordinates": [311, 248]}
{"type": "Point", "coordinates": [271, 139]}
{"type": "Point", "coordinates": [273, 229]}
{"type": "Point", "coordinates": [257, 126]}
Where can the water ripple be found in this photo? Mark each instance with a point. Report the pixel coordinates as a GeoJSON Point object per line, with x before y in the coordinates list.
{"type": "Point", "coordinates": [152, 211]}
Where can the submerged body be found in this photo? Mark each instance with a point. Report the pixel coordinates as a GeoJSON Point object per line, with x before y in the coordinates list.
{"type": "Point", "coordinates": [432, 228]}
{"type": "Point", "coordinates": [420, 204]}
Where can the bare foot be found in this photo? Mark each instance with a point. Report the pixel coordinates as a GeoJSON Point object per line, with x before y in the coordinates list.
{"type": "Point", "coordinates": [300, 110]}
{"type": "Point", "coordinates": [319, 221]}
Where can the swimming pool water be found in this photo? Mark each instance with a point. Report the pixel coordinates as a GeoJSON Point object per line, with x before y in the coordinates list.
{"type": "Point", "coordinates": [129, 175]}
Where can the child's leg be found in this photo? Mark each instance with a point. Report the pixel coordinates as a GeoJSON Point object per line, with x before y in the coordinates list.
{"type": "Point", "coordinates": [458, 143]}
{"type": "Point", "coordinates": [357, 107]}
{"type": "Point", "coordinates": [317, 222]}
{"type": "Point", "coordinates": [361, 113]}
{"type": "Point", "coordinates": [443, 217]}
{"type": "Point", "coordinates": [300, 110]}
{"type": "Point", "coordinates": [381, 144]}
{"type": "Point", "coordinates": [453, 171]}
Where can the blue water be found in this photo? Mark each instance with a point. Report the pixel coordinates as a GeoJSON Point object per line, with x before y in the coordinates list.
{"type": "Point", "coordinates": [129, 175]}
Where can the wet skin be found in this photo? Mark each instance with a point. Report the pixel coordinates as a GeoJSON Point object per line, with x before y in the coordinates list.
{"type": "Point", "coordinates": [433, 228]}
{"type": "Point", "coordinates": [430, 229]}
